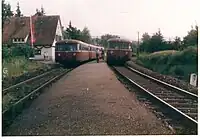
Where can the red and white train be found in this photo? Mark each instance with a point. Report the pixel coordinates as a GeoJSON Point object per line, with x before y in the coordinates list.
{"type": "Point", "coordinates": [73, 52]}
{"type": "Point", "coordinates": [119, 51]}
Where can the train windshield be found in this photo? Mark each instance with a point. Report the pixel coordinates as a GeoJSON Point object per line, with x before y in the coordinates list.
{"type": "Point", "coordinates": [66, 47]}
{"type": "Point", "coordinates": [119, 45]}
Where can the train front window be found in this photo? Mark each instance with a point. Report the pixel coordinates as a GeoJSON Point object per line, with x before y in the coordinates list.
{"type": "Point", "coordinates": [66, 47]}
{"type": "Point", "coordinates": [118, 45]}
{"type": "Point", "coordinates": [113, 45]}
{"type": "Point", "coordinates": [124, 45]}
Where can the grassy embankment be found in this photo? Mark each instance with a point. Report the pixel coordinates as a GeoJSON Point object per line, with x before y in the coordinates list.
{"type": "Point", "coordinates": [20, 65]}
{"type": "Point", "coordinates": [178, 64]}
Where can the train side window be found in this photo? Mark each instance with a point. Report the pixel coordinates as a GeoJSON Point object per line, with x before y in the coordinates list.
{"type": "Point", "coordinates": [78, 47]}
{"type": "Point", "coordinates": [81, 47]}
{"type": "Point", "coordinates": [86, 48]}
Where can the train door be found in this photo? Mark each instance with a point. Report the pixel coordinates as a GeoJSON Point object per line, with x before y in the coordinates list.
{"type": "Point", "coordinates": [90, 53]}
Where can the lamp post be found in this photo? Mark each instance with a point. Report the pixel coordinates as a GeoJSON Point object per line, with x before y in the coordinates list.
{"type": "Point", "coordinates": [138, 45]}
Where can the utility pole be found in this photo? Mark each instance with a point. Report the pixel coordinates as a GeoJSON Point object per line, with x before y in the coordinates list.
{"type": "Point", "coordinates": [138, 45]}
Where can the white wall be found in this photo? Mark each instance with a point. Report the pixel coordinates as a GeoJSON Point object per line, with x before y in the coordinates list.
{"type": "Point", "coordinates": [53, 54]}
{"type": "Point", "coordinates": [25, 40]}
{"type": "Point", "coordinates": [54, 42]}
{"type": "Point", "coordinates": [50, 51]}
{"type": "Point", "coordinates": [38, 57]}
{"type": "Point", "coordinates": [58, 32]}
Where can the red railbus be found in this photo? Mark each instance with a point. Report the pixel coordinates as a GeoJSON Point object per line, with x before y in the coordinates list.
{"type": "Point", "coordinates": [119, 51]}
{"type": "Point", "coordinates": [72, 52]}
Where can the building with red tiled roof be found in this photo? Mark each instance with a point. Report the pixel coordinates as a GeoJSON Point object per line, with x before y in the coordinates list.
{"type": "Point", "coordinates": [46, 31]}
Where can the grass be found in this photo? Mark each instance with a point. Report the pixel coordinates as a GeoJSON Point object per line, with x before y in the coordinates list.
{"type": "Point", "coordinates": [167, 52]}
{"type": "Point", "coordinates": [20, 65]}
{"type": "Point", "coordinates": [16, 67]}
{"type": "Point", "coordinates": [175, 63]}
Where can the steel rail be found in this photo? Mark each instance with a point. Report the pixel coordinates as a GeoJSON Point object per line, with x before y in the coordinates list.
{"type": "Point", "coordinates": [163, 83]}
{"type": "Point", "coordinates": [11, 112]}
{"type": "Point", "coordinates": [28, 80]}
{"type": "Point", "coordinates": [193, 121]}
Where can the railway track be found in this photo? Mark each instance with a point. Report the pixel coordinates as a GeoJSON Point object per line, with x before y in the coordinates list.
{"type": "Point", "coordinates": [18, 96]}
{"type": "Point", "coordinates": [176, 103]}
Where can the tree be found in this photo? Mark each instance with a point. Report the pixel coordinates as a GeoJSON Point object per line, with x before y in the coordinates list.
{"type": "Point", "coordinates": [177, 43]}
{"type": "Point", "coordinates": [146, 37]}
{"type": "Point", "coordinates": [96, 41]}
{"type": "Point", "coordinates": [145, 42]}
{"type": "Point", "coordinates": [18, 11]}
{"type": "Point", "coordinates": [134, 45]}
{"type": "Point", "coordinates": [72, 32]}
{"type": "Point", "coordinates": [85, 35]}
{"type": "Point", "coordinates": [40, 13]}
{"type": "Point", "coordinates": [75, 33]}
{"type": "Point", "coordinates": [6, 11]}
{"type": "Point", "coordinates": [104, 39]}
{"type": "Point", "coordinates": [191, 38]}
{"type": "Point", "coordinates": [154, 43]}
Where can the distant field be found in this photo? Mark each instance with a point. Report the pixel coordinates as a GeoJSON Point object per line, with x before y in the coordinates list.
{"type": "Point", "coordinates": [175, 63]}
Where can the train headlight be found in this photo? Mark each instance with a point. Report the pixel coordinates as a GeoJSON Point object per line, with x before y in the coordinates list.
{"type": "Point", "coordinates": [111, 52]}
{"type": "Point", "coordinates": [74, 54]}
{"type": "Point", "coordinates": [126, 53]}
{"type": "Point", "coordinates": [58, 54]}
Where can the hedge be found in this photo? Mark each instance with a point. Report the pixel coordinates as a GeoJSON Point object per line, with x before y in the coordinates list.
{"type": "Point", "coordinates": [9, 52]}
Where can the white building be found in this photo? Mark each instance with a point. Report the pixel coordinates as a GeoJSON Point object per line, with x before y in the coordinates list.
{"type": "Point", "coordinates": [46, 31]}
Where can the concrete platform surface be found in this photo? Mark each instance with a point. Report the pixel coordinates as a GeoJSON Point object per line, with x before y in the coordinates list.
{"type": "Point", "coordinates": [87, 101]}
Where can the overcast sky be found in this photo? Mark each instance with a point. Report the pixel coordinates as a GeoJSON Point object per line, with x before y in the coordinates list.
{"type": "Point", "coordinates": [121, 17]}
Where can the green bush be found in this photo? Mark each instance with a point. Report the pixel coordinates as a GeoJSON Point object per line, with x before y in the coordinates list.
{"type": "Point", "coordinates": [17, 50]}
{"type": "Point", "coordinates": [177, 64]}
{"type": "Point", "coordinates": [5, 52]}
{"type": "Point", "coordinates": [20, 65]}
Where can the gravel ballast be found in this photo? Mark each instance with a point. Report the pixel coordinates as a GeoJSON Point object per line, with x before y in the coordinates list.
{"type": "Point", "coordinates": [88, 101]}
{"type": "Point", "coordinates": [168, 79]}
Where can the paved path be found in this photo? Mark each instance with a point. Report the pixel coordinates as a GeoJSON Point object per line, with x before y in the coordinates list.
{"type": "Point", "coordinates": [88, 101]}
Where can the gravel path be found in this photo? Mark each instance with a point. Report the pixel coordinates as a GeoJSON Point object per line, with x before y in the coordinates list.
{"type": "Point", "coordinates": [88, 101]}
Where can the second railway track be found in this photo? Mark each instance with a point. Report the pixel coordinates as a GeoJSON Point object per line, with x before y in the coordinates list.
{"type": "Point", "coordinates": [17, 96]}
{"type": "Point", "coordinates": [180, 105]}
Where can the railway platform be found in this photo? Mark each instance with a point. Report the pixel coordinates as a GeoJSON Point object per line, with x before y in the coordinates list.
{"type": "Point", "coordinates": [87, 101]}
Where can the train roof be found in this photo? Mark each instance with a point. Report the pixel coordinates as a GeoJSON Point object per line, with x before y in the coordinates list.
{"type": "Point", "coordinates": [70, 41]}
{"type": "Point", "coordinates": [99, 47]}
{"type": "Point", "coordinates": [78, 41]}
{"type": "Point", "coordinates": [118, 40]}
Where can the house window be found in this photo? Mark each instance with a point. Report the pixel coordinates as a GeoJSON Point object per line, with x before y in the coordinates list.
{"type": "Point", "coordinates": [58, 38]}
{"type": "Point", "coordinates": [38, 52]}
{"type": "Point", "coordinates": [18, 40]}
